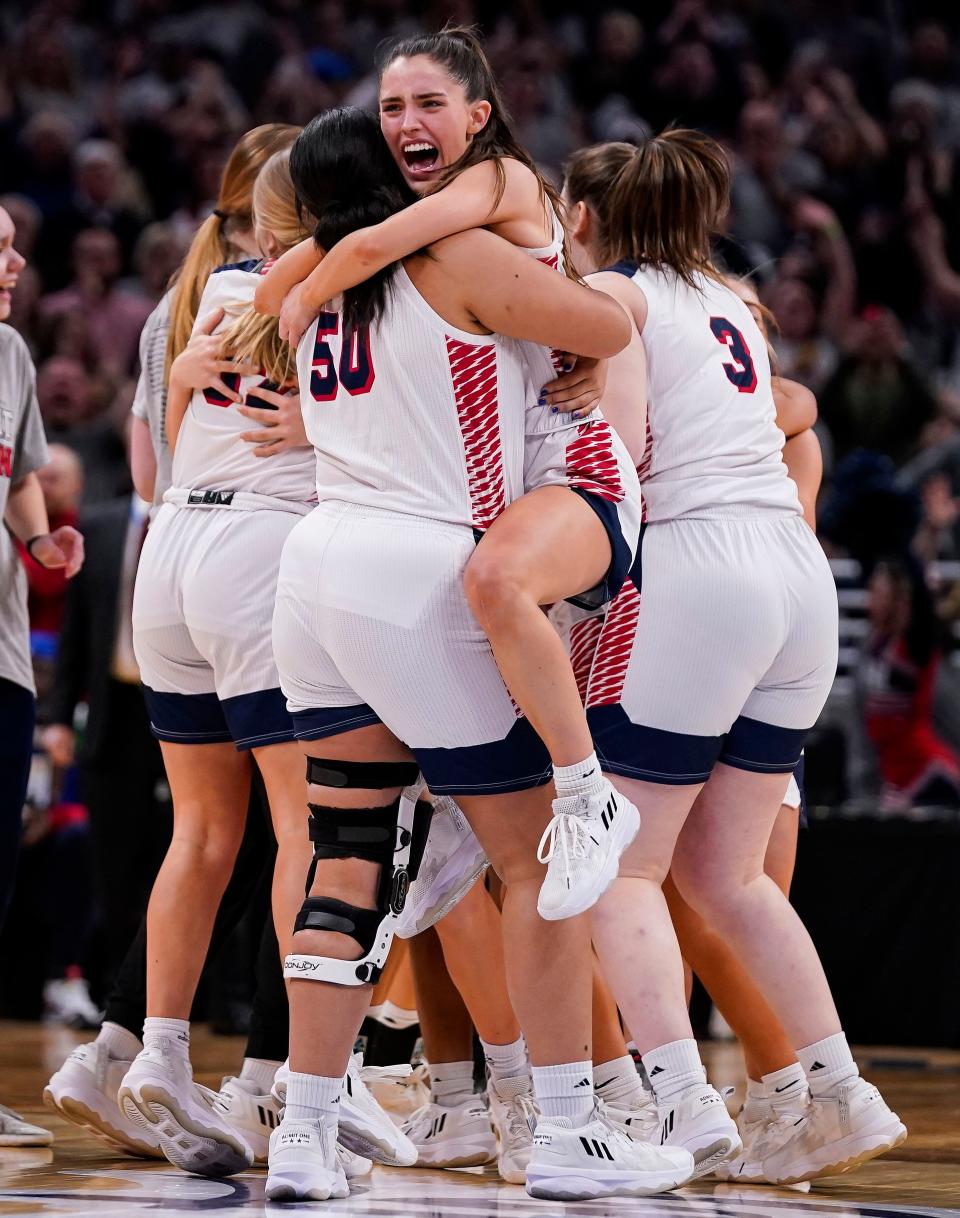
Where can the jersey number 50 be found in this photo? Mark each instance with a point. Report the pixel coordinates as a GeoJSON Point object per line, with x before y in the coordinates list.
{"type": "Point", "coordinates": [740, 370]}
{"type": "Point", "coordinates": [355, 369]}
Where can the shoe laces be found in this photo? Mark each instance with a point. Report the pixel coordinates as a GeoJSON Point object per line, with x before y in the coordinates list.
{"type": "Point", "coordinates": [522, 1115]}
{"type": "Point", "coordinates": [565, 837]}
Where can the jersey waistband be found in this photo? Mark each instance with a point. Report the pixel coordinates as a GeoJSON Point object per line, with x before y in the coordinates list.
{"type": "Point", "coordinates": [242, 501]}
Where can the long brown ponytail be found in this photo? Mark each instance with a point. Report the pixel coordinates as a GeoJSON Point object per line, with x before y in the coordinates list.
{"type": "Point", "coordinates": [664, 206]}
{"type": "Point", "coordinates": [667, 203]}
{"type": "Point", "coordinates": [211, 247]}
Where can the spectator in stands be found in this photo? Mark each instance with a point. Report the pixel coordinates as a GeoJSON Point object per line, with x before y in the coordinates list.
{"type": "Point", "coordinates": [898, 674]}
{"type": "Point", "coordinates": [74, 416]}
{"type": "Point", "coordinates": [877, 399]}
{"type": "Point", "coordinates": [113, 316]}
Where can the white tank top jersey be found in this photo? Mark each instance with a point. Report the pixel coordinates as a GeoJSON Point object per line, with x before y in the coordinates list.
{"type": "Point", "coordinates": [210, 456]}
{"type": "Point", "coordinates": [414, 415]}
{"type": "Point", "coordinates": [713, 445]}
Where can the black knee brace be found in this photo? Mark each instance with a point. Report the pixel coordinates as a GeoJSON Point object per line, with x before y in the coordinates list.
{"type": "Point", "coordinates": [393, 836]}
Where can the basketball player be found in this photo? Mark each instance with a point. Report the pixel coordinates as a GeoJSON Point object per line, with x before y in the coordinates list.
{"type": "Point", "coordinates": [417, 410]}
{"type": "Point", "coordinates": [444, 123]}
{"type": "Point", "coordinates": [739, 606]}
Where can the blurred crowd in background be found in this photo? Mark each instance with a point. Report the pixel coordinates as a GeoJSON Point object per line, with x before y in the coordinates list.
{"type": "Point", "coordinates": [842, 121]}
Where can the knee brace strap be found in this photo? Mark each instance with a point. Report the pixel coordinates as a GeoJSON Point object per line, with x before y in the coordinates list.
{"type": "Point", "coordinates": [369, 775]}
{"type": "Point", "coordinates": [353, 833]}
{"type": "Point", "coordinates": [372, 928]}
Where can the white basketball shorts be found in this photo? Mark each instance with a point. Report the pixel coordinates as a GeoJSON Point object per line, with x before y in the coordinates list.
{"type": "Point", "coordinates": [728, 655]}
{"type": "Point", "coordinates": [372, 626]}
{"type": "Point", "coordinates": [202, 612]}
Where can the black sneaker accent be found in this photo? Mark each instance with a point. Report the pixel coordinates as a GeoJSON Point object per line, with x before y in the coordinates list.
{"type": "Point", "coordinates": [586, 1146]}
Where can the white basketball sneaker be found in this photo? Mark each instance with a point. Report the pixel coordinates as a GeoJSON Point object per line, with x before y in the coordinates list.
{"type": "Point", "coordinates": [458, 1136]}
{"type": "Point", "coordinates": [698, 1121]}
{"type": "Point", "coordinates": [452, 862]}
{"type": "Point", "coordinates": [514, 1113]}
{"type": "Point", "coordinates": [598, 1159]}
{"type": "Point", "coordinates": [353, 1165]}
{"type": "Point", "coordinates": [84, 1092]}
{"type": "Point", "coordinates": [846, 1127]}
{"type": "Point", "coordinates": [582, 846]}
{"type": "Point", "coordinates": [765, 1123]}
{"type": "Point", "coordinates": [642, 1122]}
{"type": "Point", "coordinates": [193, 1130]}
{"type": "Point", "coordinates": [364, 1126]}
{"type": "Point", "coordinates": [253, 1115]}
{"type": "Point", "coordinates": [304, 1165]}
{"type": "Point", "coordinates": [15, 1131]}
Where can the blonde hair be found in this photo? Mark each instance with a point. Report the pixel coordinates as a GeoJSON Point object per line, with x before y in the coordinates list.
{"type": "Point", "coordinates": [252, 337]}
{"type": "Point", "coordinates": [664, 204]}
{"type": "Point", "coordinates": [211, 247]}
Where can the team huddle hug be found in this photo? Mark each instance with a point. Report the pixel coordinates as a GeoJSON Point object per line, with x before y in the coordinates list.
{"type": "Point", "coordinates": [527, 585]}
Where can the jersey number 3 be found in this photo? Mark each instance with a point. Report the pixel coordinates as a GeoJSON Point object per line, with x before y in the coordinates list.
{"type": "Point", "coordinates": [355, 369]}
{"type": "Point", "coordinates": [740, 370]}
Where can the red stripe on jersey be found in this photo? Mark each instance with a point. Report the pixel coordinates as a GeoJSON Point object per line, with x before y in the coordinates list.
{"type": "Point", "coordinates": [474, 373]}
{"type": "Point", "coordinates": [583, 646]}
{"type": "Point", "coordinates": [592, 462]}
{"type": "Point", "coordinates": [613, 648]}
{"type": "Point", "coordinates": [643, 469]}
{"type": "Point", "coordinates": [553, 262]}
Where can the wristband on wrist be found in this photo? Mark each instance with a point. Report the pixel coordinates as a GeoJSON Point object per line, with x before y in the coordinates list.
{"type": "Point", "coordinates": [28, 546]}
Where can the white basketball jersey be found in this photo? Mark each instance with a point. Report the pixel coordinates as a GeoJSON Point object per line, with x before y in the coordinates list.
{"type": "Point", "coordinates": [210, 456]}
{"type": "Point", "coordinates": [414, 415]}
{"type": "Point", "coordinates": [713, 445]}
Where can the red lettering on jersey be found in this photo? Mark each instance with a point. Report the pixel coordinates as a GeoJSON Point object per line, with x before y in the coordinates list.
{"type": "Point", "coordinates": [6, 461]}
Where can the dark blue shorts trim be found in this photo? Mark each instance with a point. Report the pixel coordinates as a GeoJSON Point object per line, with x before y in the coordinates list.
{"type": "Point", "coordinates": [648, 753]}
{"type": "Point", "coordinates": [617, 572]}
{"type": "Point", "coordinates": [186, 718]}
{"type": "Point", "coordinates": [762, 748]}
{"type": "Point", "coordinates": [318, 722]}
{"type": "Point", "coordinates": [516, 763]}
{"type": "Point", "coordinates": [259, 719]}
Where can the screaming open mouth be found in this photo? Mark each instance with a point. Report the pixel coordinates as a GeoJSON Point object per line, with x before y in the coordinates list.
{"type": "Point", "coordinates": [421, 157]}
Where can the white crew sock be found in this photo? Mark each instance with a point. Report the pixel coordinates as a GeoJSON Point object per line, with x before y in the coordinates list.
{"type": "Point", "coordinates": [122, 1044]}
{"type": "Point", "coordinates": [506, 1061]}
{"type": "Point", "coordinates": [578, 779]}
{"type": "Point", "coordinates": [170, 1035]}
{"type": "Point", "coordinates": [312, 1096]}
{"type": "Point", "coordinates": [827, 1062]}
{"type": "Point", "coordinates": [617, 1082]}
{"type": "Point", "coordinates": [674, 1068]}
{"type": "Point", "coordinates": [782, 1084]}
{"type": "Point", "coordinates": [451, 1083]}
{"type": "Point", "coordinates": [261, 1072]}
{"type": "Point", "coordinates": [565, 1090]}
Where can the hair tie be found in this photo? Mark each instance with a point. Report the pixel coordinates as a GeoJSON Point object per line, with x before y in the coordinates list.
{"type": "Point", "coordinates": [221, 215]}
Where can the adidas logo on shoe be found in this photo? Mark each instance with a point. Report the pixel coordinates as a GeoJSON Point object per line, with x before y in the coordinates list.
{"type": "Point", "coordinates": [655, 1071]}
{"type": "Point", "coordinates": [817, 1066]}
{"type": "Point", "coordinates": [584, 1082]}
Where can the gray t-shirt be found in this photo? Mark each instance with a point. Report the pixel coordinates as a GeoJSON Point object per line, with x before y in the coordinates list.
{"type": "Point", "coordinates": [150, 400]}
{"type": "Point", "coordinates": [23, 449]}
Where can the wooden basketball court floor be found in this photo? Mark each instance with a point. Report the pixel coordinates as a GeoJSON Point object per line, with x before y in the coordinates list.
{"type": "Point", "coordinates": [78, 1176]}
